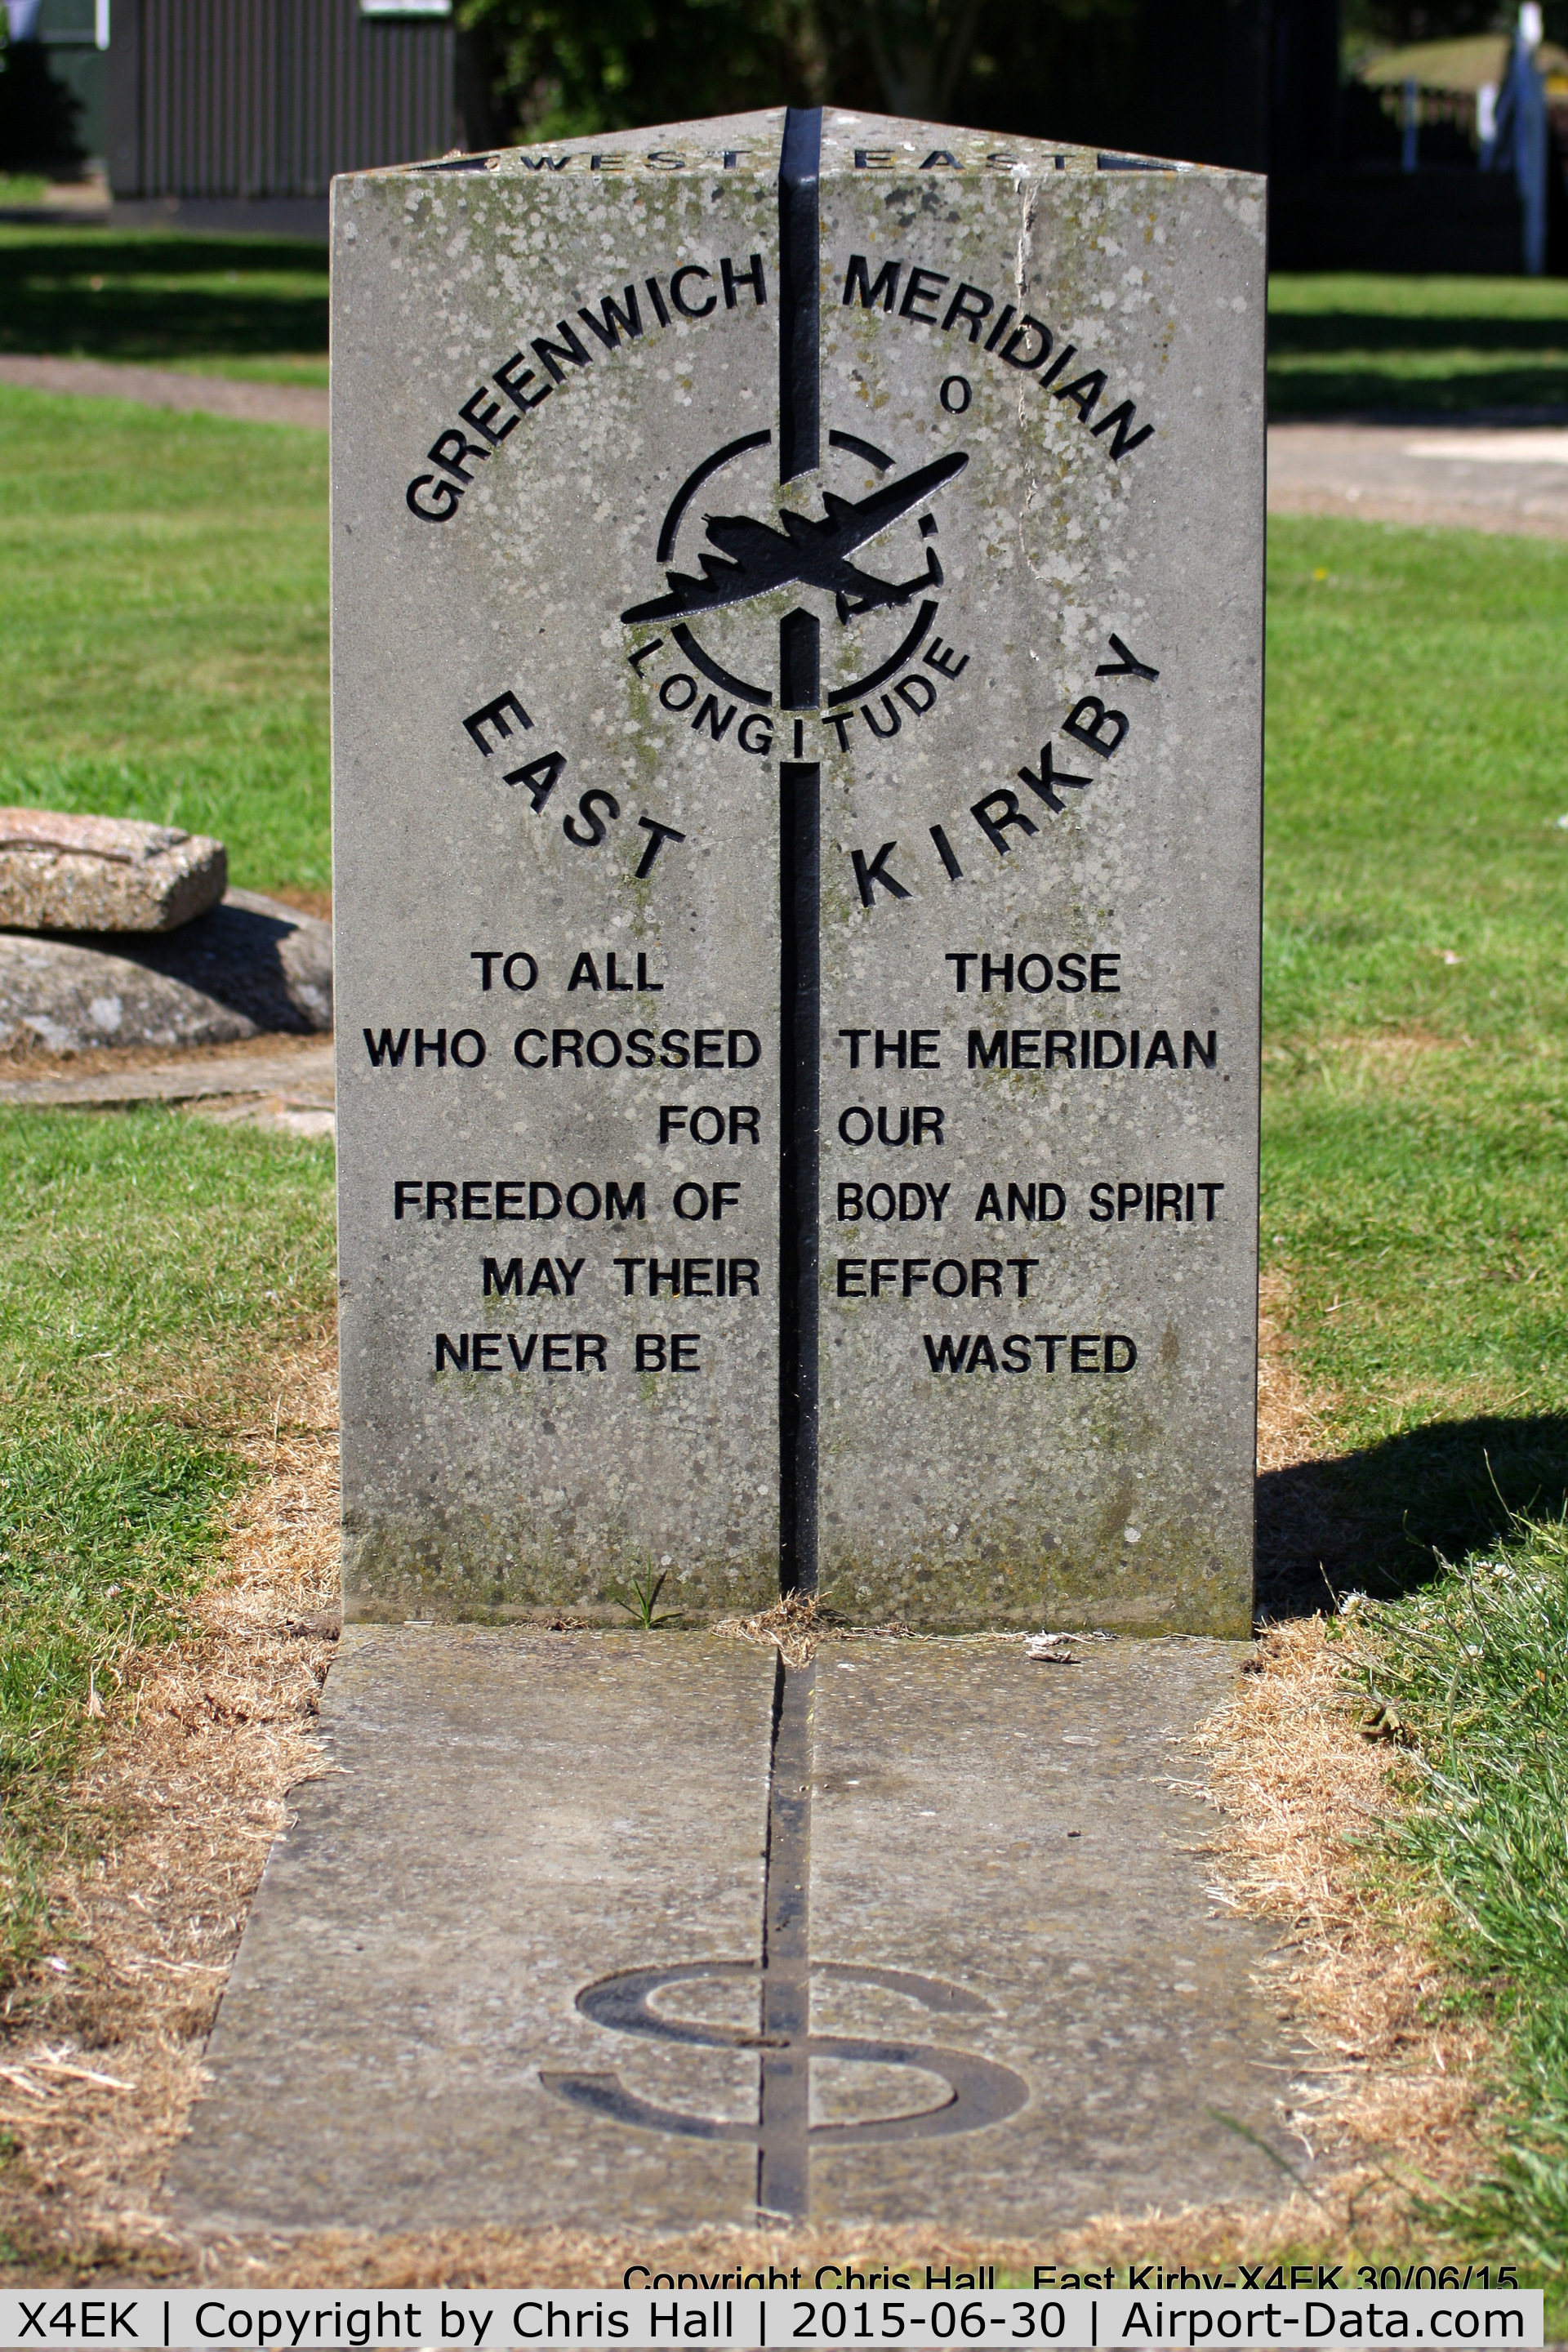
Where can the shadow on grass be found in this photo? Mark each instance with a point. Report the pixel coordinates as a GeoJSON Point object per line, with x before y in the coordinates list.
{"type": "Point", "coordinates": [1378, 1521]}
{"type": "Point", "coordinates": [1295, 333]}
{"type": "Point", "coordinates": [111, 295]}
{"type": "Point", "coordinates": [1533, 394]}
{"type": "Point", "coordinates": [1347, 363]}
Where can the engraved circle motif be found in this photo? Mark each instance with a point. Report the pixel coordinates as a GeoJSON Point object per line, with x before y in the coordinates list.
{"type": "Point", "coordinates": [979, 2090]}
{"type": "Point", "coordinates": [753, 558]}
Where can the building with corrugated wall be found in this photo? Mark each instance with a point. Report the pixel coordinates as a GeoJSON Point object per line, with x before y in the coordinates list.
{"type": "Point", "coordinates": [258, 102]}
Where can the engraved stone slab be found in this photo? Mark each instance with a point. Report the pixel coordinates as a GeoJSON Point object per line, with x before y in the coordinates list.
{"type": "Point", "coordinates": [1040, 906]}
{"type": "Point", "coordinates": [517, 1815]}
{"type": "Point", "coordinates": [797, 774]}
{"type": "Point", "coordinates": [574, 1938]}
{"type": "Point", "coordinates": [557, 890]}
{"type": "Point", "coordinates": [1016, 1824]}
{"type": "Point", "coordinates": [64, 873]}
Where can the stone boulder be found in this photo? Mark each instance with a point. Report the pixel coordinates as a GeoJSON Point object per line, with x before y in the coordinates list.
{"type": "Point", "coordinates": [248, 967]}
{"type": "Point", "coordinates": [66, 872]}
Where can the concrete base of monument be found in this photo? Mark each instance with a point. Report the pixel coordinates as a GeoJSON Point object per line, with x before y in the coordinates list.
{"type": "Point", "coordinates": [633, 1932]}
{"type": "Point", "coordinates": [457, 1567]}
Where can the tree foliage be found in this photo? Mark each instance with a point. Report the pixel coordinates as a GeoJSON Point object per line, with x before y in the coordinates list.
{"type": "Point", "coordinates": [38, 115]}
{"type": "Point", "coordinates": [560, 68]}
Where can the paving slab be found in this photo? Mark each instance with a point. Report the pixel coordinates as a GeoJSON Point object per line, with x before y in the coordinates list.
{"type": "Point", "coordinates": [643, 1931]}
{"type": "Point", "coordinates": [512, 1817]}
{"type": "Point", "coordinates": [1010, 1828]}
{"type": "Point", "coordinates": [1477, 476]}
{"type": "Point", "coordinates": [300, 1079]}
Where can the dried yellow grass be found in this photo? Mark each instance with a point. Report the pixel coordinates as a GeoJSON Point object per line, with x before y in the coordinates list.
{"type": "Point", "coordinates": [1299, 1791]}
{"type": "Point", "coordinates": [797, 1626]}
{"type": "Point", "coordinates": [794, 1626]}
{"type": "Point", "coordinates": [1289, 1421]}
{"type": "Point", "coordinates": [182, 1796]}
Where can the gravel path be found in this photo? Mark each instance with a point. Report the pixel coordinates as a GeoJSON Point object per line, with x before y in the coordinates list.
{"type": "Point", "coordinates": [212, 395]}
{"type": "Point", "coordinates": [1490, 478]}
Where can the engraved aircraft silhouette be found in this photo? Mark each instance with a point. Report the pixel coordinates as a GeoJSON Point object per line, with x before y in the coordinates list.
{"type": "Point", "coordinates": [755, 557]}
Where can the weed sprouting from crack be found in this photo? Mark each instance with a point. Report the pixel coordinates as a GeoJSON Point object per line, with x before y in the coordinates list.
{"type": "Point", "coordinates": [639, 1598]}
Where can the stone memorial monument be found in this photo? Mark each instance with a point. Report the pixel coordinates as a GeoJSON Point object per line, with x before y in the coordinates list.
{"type": "Point", "coordinates": [797, 594]}
{"type": "Point", "coordinates": [797, 587]}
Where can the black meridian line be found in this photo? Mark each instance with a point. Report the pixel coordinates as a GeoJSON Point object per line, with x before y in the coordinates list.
{"type": "Point", "coordinates": [694, 483]}
{"type": "Point", "coordinates": [977, 2091]}
{"type": "Point", "coordinates": [800, 1114]}
{"type": "Point", "coordinates": [911, 646]}
{"type": "Point", "coordinates": [717, 671]}
{"type": "Point", "coordinates": [783, 2086]}
{"type": "Point", "coordinates": [878, 457]}
{"type": "Point", "coordinates": [800, 294]}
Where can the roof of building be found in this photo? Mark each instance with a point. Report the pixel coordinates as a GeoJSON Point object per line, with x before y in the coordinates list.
{"type": "Point", "coordinates": [1464, 65]}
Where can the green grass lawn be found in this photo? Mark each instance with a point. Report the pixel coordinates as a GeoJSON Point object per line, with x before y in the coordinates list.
{"type": "Point", "coordinates": [1415, 1197]}
{"type": "Point", "coordinates": [1405, 345]}
{"type": "Point", "coordinates": [150, 1267]}
{"type": "Point", "coordinates": [164, 647]}
{"type": "Point", "coordinates": [1416, 1187]}
{"type": "Point", "coordinates": [1476, 1667]}
{"type": "Point", "coordinates": [167, 659]}
{"type": "Point", "coordinates": [246, 306]}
